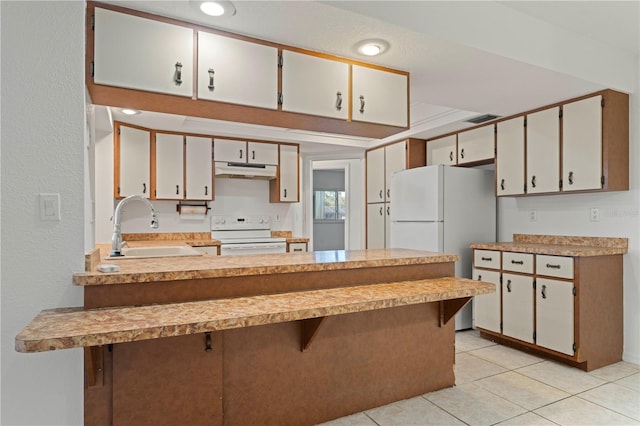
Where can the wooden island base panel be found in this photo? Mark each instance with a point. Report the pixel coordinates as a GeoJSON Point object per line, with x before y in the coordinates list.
{"type": "Point", "coordinates": [378, 330]}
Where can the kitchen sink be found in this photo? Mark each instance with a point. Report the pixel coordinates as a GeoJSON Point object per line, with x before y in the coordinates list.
{"type": "Point", "coordinates": [160, 251]}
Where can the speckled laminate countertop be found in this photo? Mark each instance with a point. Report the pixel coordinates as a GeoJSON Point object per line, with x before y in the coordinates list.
{"type": "Point", "coordinates": [560, 245]}
{"type": "Point", "coordinates": [74, 327]}
{"type": "Point", "coordinates": [196, 267]}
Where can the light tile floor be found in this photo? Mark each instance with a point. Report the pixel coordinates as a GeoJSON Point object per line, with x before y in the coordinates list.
{"type": "Point", "coordinates": [497, 385]}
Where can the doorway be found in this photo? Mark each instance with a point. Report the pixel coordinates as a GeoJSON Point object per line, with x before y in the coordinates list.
{"type": "Point", "coordinates": [329, 209]}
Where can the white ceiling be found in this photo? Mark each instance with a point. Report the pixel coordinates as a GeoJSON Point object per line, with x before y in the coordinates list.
{"type": "Point", "coordinates": [442, 44]}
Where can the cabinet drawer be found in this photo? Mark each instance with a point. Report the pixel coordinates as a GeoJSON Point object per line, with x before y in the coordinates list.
{"type": "Point", "coordinates": [517, 262]}
{"type": "Point", "coordinates": [297, 247]}
{"type": "Point", "coordinates": [554, 266]}
{"type": "Point", "coordinates": [486, 259]}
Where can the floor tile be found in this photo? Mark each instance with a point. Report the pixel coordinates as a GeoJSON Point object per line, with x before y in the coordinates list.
{"type": "Point", "coordinates": [522, 390]}
{"type": "Point", "coordinates": [527, 419]}
{"type": "Point", "coordinates": [474, 405]}
{"type": "Point", "coordinates": [563, 377]}
{"type": "Point", "coordinates": [414, 411]}
{"type": "Point", "coordinates": [506, 357]}
{"type": "Point", "coordinates": [575, 411]}
{"type": "Point", "coordinates": [469, 340]}
{"type": "Point", "coordinates": [615, 371]}
{"type": "Point", "coordinates": [359, 419]}
{"type": "Point", "coordinates": [616, 398]}
{"type": "Point", "coordinates": [631, 382]}
{"type": "Point", "coordinates": [469, 368]}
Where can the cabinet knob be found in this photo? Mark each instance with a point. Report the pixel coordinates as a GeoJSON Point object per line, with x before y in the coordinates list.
{"type": "Point", "coordinates": [361, 104]}
{"type": "Point", "coordinates": [211, 86]}
{"type": "Point", "coordinates": [178, 74]}
{"type": "Point", "coordinates": [533, 181]}
{"type": "Point", "coordinates": [339, 101]}
{"type": "Point", "coordinates": [570, 178]}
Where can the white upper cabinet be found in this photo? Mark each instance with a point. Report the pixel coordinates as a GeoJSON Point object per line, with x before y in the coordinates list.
{"type": "Point", "coordinates": [375, 176]}
{"type": "Point", "coordinates": [169, 166]}
{"type": "Point", "coordinates": [442, 151]}
{"type": "Point", "coordinates": [582, 144]}
{"type": "Point", "coordinates": [476, 145]}
{"type": "Point", "coordinates": [139, 53]}
{"type": "Point", "coordinates": [262, 153]}
{"type": "Point", "coordinates": [314, 85]}
{"type": "Point", "coordinates": [133, 160]}
{"type": "Point", "coordinates": [288, 174]}
{"type": "Point", "coordinates": [395, 159]}
{"type": "Point", "coordinates": [379, 96]}
{"type": "Point", "coordinates": [543, 151]}
{"type": "Point", "coordinates": [510, 157]}
{"type": "Point", "coordinates": [236, 71]}
{"type": "Point", "coordinates": [199, 180]}
{"type": "Point", "coordinates": [229, 150]}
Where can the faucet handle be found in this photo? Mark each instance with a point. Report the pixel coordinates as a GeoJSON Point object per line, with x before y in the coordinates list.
{"type": "Point", "coordinates": [154, 221]}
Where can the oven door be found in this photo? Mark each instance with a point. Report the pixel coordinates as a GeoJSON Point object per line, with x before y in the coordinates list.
{"type": "Point", "coordinates": [252, 248]}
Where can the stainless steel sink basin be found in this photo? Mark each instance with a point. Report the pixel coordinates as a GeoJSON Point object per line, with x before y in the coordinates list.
{"type": "Point", "coordinates": [160, 251]}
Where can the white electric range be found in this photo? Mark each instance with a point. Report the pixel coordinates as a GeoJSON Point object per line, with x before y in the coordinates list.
{"type": "Point", "coordinates": [240, 235]}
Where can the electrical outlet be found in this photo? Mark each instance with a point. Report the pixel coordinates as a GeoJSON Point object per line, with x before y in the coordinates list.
{"type": "Point", "coordinates": [594, 214]}
{"type": "Point", "coordinates": [533, 215]}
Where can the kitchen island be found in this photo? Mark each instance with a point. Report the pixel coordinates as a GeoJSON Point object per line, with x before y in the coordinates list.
{"type": "Point", "coordinates": [273, 339]}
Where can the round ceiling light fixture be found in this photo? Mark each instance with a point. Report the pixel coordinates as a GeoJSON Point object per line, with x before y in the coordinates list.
{"type": "Point", "coordinates": [129, 111]}
{"type": "Point", "coordinates": [217, 8]}
{"type": "Point", "coordinates": [372, 47]}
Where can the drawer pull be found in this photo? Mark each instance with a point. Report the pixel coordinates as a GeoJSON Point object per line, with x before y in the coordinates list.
{"type": "Point", "coordinates": [486, 259]}
{"type": "Point", "coordinates": [517, 262]}
{"type": "Point", "coordinates": [295, 249]}
{"type": "Point", "coordinates": [553, 266]}
{"type": "Point", "coordinates": [509, 286]}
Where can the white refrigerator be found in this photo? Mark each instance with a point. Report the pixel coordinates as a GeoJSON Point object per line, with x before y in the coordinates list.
{"type": "Point", "coordinates": [444, 209]}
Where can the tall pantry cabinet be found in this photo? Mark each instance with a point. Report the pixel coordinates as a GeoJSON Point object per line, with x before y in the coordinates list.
{"type": "Point", "coordinates": [381, 163]}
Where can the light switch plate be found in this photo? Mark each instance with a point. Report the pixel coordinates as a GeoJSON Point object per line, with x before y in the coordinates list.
{"type": "Point", "coordinates": [50, 207]}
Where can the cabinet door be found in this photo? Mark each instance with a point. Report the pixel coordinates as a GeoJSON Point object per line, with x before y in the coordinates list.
{"type": "Point", "coordinates": [486, 308]}
{"type": "Point", "coordinates": [379, 96]}
{"type": "Point", "coordinates": [375, 176]}
{"type": "Point", "coordinates": [442, 151]}
{"type": "Point", "coordinates": [228, 71]}
{"type": "Point", "coordinates": [199, 180]}
{"type": "Point", "coordinates": [395, 159]}
{"type": "Point", "coordinates": [262, 153]}
{"type": "Point", "coordinates": [476, 145]}
{"type": "Point", "coordinates": [582, 144]}
{"type": "Point", "coordinates": [133, 161]}
{"type": "Point", "coordinates": [169, 166]}
{"type": "Point", "coordinates": [517, 306]}
{"type": "Point", "coordinates": [543, 151]}
{"type": "Point", "coordinates": [143, 54]}
{"type": "Point", "coordinates": [554, 315]}
{"type": "Point", "coordinates": [376, 217]}
{"type": "Point", "coordinates": [510, 157]}
{"type": "Point", "coordinates": [229, 150]}
{"type": "Point", "coordinates": [288, 173]}
{"type": "Point", "coordinates": [313, 85]}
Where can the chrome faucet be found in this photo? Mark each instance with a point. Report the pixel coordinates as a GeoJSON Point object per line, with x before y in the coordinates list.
{"type": "Point", "coordinates": [116, 238]}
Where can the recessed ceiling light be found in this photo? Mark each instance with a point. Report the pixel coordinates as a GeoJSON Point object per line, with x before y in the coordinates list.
{"type": "Point", "coordinates": [372, 47]}
{"type": "Point", "coordinates": [129, 111]}
{"type": "Point", "coordinates": [216, 8]}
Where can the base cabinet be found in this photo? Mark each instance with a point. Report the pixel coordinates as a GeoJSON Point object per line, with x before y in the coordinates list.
{"type": "Point", "coordinates": [486, 308]}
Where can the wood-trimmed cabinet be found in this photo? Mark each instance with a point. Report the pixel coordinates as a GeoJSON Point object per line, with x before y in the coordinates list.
{"type": "Point", "coordinates": [567, 307]}
{"type": "Point", "coordinates": [132, 161]}
{"type": "Point", "coordinates": [470, 147]}
{"type": "Point", "coordinates": [381, 163]}
{"type": "Point", "coordinates": [285, 188]}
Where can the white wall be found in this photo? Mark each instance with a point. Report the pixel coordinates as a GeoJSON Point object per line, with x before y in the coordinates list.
{"type": "Point", "coordinates": [43, 150]}
{"type": "Point", "coordinates": [569, 215]}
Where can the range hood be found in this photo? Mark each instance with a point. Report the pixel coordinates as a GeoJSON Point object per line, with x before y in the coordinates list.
{"type": "Point", "coordinates": [244, 170]}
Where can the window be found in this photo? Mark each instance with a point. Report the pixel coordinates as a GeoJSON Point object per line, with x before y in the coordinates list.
{"type": "Point", "coordinates": [328, 205]}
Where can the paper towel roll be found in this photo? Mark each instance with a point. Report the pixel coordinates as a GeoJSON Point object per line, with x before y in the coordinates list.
{"type": "Point", "coordinates": [193, 212]}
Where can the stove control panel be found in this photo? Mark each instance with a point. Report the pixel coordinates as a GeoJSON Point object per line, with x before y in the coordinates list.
{"type": "Point", "coordinates": [219, 223]}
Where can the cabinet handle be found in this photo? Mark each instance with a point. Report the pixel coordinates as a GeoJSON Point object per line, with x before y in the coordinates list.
{"type": "Point", "coordinates": [144, 188]}
{"type": "Point", "coordinates": [479, 277]}
{"type": "Point", "coordinates": [518, 262]}
{"type": "Point", "coordinates": [253, 154]}
{"type": "Point", "coordinates": [297, 249]}
{"type": "Point", "coordinates": [388, 193]}
{"type": "Point", "coordinates": [361, 104]}
{"type": "Point", "coordinates": [450, 155]}
{"type": "Point", "coordinates": [502, 184]}
{"type": "Point", "coordinates": [509, 286]}
{"type": "Point", "coordinates": [380, 194]}
{"type": "Point", "coordinates": [533, 181]}
{"type": "Point", "coordinates": [388, 211]}
{"type": "Point", "coordinates": [285, 193]}
{"type": "Point", "coordinates": [544, 291]}
{"type": "Point", "coordinates": [240, 154]}
{"type": "Point", "coordinates": [206, 190]}
{"type": "Point", "coordinates": [211, 73]}
{"type": "Point", "coordinates": [178, 78]}
{"type": "Point", "coordinates": [177, 189]}
{"type": "Point", "coordinates": [570, 178]}
{"type": "Point", "coordinates": [462, 153]}
{"type": "Point", "coordinates": [338, 101]}
{"type": "Point", "coordinates": [381, 211]}
{"type": "Point", "coordinates": [486, 259]}
{"type": "Point", "coordinates": [553, 266]}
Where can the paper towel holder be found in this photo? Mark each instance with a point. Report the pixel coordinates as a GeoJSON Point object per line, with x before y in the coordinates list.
{"type": "Point", "coordinates": [205, 207]}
